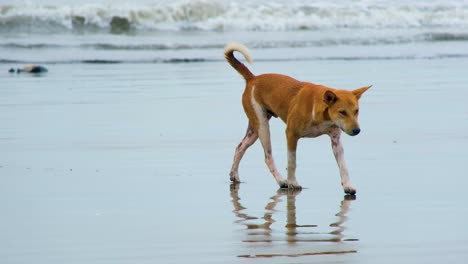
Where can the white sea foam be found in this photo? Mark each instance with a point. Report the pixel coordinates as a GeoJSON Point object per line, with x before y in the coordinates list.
{"type": "Point", "coordinates": [194, 31]}
{"type": "Point", "coordinates": [217, 15]}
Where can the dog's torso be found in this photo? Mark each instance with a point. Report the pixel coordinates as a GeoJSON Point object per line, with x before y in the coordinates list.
{"type": "Point", "coordinates": [298, 104]}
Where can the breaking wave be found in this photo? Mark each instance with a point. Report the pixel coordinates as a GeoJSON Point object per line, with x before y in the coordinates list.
{"type": "Point", "coordinates": [218, 15]}
{"type": "Point", "coordinates": [386, 40]}
{"type": "Point", "coordinates": [204, 60]}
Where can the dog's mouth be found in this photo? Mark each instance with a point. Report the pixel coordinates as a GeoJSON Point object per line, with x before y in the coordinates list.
{"type": "Point", "coordinates": [352, 132]}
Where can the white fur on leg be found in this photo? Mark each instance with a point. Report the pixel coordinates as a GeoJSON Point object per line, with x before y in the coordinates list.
{"type": "Point", "coordinates": [292, 182]}
{"type": "Point", "coordinates": [338, 152]}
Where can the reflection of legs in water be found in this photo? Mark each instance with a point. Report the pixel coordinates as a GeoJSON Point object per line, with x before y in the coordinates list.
{"type": "Point", "coordinates": [342, 218]}
{"type": "Point", "coordinates": [245, 218]}
{"type": "Point", "coordinates": [263, 232]}
{"type": "Point", "coordinates": [268, 215]}
{"type": "Point", "coordinates": [237, 205]}
{"type": "Point", "coordinates": [291, 221]}
{"type": "Point", "coordinates": [291, 224]}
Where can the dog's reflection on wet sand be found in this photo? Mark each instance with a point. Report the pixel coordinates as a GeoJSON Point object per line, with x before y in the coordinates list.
{"type": "Point", "coordinates": [294, 233]}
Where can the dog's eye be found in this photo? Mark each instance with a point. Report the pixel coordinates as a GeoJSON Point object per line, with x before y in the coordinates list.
{"type": "Point", "coordinates": [357, 112]}
{"type": "Point", "coordinates": [343, 113]}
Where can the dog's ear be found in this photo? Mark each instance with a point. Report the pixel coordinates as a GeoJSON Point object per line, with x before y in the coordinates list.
{"type": "Point", "coordinates": [329, 97]}
{"type": "Point", "coordinates": [358, 92]}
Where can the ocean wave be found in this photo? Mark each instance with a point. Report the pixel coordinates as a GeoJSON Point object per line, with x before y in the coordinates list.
{"type": "Point", "coordinates": [105, 61]}
{"type": "Point", "coordinates": [440, 36]}
{"type": "Point", "coordinates": [217, 15]}
{"type": "Point", "coordinates": [30, 46]}
{"type": "Point", "coordinates": [262, 44]}
{"type": "Point", "coordinates": [183, 60]}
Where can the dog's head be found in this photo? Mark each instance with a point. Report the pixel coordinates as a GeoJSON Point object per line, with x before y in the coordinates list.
{"type": "Point", "coordinates": [343, 108]}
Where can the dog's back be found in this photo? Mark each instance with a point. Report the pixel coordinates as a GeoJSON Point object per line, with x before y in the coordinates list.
{"type": "Point", "coordinates": [275, 92]}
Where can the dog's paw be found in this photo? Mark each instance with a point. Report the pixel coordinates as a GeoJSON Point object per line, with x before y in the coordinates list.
{"type": "Point", "coordinates": [234, 176]}
{"type": "Point", "coordinates": [290, 185]}
{"type": "Point", "coordinates": [348, 189]}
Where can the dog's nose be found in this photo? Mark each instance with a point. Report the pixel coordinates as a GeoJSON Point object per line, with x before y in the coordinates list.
{"type": "Point", "coordinates": [356, 131]}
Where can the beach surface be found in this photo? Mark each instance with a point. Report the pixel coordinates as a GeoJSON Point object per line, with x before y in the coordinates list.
{"type": "Point", "coordinates": [122, 155]}
{"type": "Point", "coordinates": [123, 163]}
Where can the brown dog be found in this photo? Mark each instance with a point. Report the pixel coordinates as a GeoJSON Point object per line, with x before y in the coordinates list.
{"type": "Point", "coordinates": [309, 110]}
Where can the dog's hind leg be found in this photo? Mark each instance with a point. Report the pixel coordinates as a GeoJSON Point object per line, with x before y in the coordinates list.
{"type": "Point", "coordinates": [264, 135]}
{"type": "Point", "coordinates": [250, 138]}
{"type": "Point", "coordinates": [339, 156]}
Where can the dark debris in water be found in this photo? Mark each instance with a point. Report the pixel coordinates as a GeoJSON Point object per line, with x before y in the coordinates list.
{"type": "Point", "coordinates": [184, 60]}
{"type": "Point", "coordinates": [29, 69]}
{"type": "Point", "coordinates": [298, 254]}
{"type": "Point", "coordinates": [101, 61]}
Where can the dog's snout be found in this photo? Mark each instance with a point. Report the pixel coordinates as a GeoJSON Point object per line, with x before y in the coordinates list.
{"type": "Point", "coordinates": [356, 131]}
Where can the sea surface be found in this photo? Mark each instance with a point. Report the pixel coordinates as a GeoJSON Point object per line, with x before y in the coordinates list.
{"type": "Point", "coordinates": [121, 152]}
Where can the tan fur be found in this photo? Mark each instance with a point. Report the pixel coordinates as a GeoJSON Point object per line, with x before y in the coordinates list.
{"type": "Point", "coordinates": [309, 110]}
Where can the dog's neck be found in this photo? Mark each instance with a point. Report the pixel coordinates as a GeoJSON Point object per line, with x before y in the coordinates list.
{"type": "Point", "coordinates": [326, 115]}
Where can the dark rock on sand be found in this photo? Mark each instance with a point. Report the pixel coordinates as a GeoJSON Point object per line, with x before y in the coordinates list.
{"type": "Point", "coordinates": [29, 69]}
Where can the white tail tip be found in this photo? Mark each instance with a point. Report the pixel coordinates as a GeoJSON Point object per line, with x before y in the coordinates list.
{"type": "Point", "coordinates": [234, 46]}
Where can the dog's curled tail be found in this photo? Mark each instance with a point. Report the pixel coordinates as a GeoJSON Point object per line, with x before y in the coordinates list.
{"type": "Point", "coordinates": [235, 63]}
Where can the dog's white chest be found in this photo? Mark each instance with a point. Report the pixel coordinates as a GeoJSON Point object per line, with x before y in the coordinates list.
{"type": "Point", "coordinates": [318, 130]}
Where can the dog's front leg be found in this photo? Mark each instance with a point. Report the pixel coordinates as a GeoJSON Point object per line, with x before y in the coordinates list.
{"type": "Point", "coordinates": [292, 146]}
{"type": "Point", "coordinates": [339, 156]}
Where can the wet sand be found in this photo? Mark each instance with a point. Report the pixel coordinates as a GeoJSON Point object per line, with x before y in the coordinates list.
{"type": "Point", "coordinates": [129, 163]}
